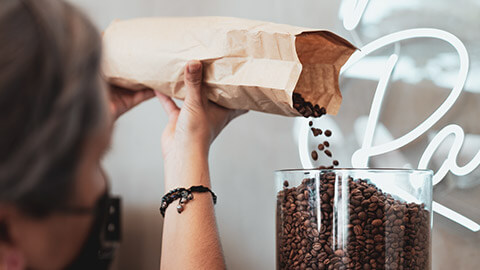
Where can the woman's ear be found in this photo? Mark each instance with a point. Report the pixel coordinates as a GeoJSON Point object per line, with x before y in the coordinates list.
{"type": "Point", "coordinates": [11, 257]}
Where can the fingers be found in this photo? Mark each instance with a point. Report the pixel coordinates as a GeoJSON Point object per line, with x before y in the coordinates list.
{"type": "Point", "coordinates": [141, 96]}
{"type": "Point", "coordinates": [122, 100]}
{"type": "Point", "coordinates": [193, 82]}
{"type": "Point", "coordinates": [168, 104]}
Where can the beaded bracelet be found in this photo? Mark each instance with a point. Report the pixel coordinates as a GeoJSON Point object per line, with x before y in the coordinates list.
{"type": "Point", "coordinates": [185, 195]}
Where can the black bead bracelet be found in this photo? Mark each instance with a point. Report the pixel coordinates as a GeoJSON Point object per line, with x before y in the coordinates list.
{"type": "Point", "coordinates": [185, 195]}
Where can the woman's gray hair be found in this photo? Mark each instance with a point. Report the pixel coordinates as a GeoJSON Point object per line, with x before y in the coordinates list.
{"type": "Point", "coordinates": [50, 100]}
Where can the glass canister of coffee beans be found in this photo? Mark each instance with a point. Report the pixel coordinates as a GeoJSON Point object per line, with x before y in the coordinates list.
{"type": "Point", "coordinates": [353, 219]}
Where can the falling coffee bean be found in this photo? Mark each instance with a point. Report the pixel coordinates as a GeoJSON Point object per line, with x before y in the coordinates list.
{"type": "Point", "coordinates": [321, 147]}
{"type": "Point", "coordinates": [285, 183]}
{"type": "Point", "coordinates": [310, 123]}
{"type": "Point", "coordinates": [316, 131]}
{"type": "Point", "coordinates": [328, 133]}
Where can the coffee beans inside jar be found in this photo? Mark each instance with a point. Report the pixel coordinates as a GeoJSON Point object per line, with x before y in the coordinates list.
{"type": "Point", "coordinates": [335, 223]}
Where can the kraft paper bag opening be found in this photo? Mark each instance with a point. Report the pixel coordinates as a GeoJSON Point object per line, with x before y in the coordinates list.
{"type": "Point", "coordinates": [249, 65]}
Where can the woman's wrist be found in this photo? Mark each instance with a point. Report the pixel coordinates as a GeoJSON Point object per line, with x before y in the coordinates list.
{"type": "Point", "coordinates": [186, 167]}
{"type": "Point", "coordinates": [186, 180]}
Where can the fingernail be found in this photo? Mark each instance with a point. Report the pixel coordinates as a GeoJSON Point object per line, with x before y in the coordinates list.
{"type": "Point", "coordinates": [194, 67]}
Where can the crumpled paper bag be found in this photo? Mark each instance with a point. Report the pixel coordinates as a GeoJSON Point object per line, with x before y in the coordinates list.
{"type": "Point", "coordinates": [249, 65]}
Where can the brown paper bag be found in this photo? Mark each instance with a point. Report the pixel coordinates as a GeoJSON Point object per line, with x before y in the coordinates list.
{"type": "Point", "coordinates": [247, 64]}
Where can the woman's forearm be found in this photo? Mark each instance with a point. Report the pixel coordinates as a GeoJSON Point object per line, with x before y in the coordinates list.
{"type": "Point", "coordinates": [190, 239]}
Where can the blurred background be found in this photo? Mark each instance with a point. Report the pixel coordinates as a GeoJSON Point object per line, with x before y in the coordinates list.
{"type": "Point", "coordinates": [244, 157]}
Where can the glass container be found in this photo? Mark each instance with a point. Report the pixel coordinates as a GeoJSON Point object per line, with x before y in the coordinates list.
{"type": "Point", "coordinates": [353, 219]}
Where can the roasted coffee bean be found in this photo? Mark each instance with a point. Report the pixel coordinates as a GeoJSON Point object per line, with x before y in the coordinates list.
{"type": "Point", "coordinates": [327, 144]}
{"type": "Point", "coordinates": [305, 108]}
{"type": "Point", "coordinates": [377, 222]}
{"type": "Point", "coordinates": [383, 233]}
{"type": "Point", "coordinates": [328, 133]}
{"type": "Point", "coordinates": [339, 253]}
{"type": "Point", "coordinates": [285, 183]}
{"type": "Point", "coordinates": [310, 123]}
{"type": "Point", "coordinates": [316, 131]}
{"type": "Point", "coordinates": [335, 163]}
{"type": "Point", "coordinates": [308, 110]}
{"type": "Point", "coordinates": [357, 229]}
{"type": "Point", "coordinates": [314, 155]}
{"type": "Point", "coordinates": [321, 147]}
{"type": "Point", "coordinates": [328, 153]}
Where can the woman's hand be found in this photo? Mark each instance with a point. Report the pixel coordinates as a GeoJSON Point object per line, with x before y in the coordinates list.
{"type": "Point", "coordinates": [190, 131]}
{"type": "Point", "coordinates": [122, 100]}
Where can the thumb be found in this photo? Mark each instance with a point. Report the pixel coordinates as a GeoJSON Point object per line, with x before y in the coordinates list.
{"type": "Point", "coordinates": [193, 82]}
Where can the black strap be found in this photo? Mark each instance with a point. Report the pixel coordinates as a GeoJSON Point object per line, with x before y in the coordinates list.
{"type": "Point", "coordinates": [202, 189]}
{"type": "Point", "coordinates": [185, 195]}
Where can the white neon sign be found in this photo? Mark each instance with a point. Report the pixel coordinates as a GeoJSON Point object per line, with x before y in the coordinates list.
{"type": "Point", "coordinates": [352, 13]}
{"type": "Point", "coordinates": [360, 157]}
